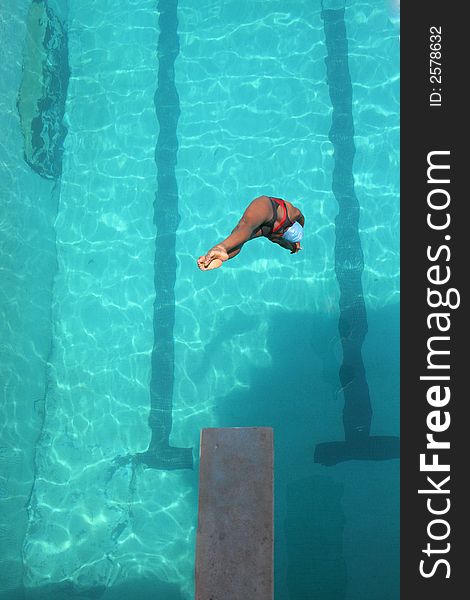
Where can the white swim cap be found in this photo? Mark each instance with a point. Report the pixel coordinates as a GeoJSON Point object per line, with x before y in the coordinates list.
{"type": "Point", "coordinates": [295, 233]}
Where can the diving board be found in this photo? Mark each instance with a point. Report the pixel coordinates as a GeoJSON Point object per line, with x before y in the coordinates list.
{"type": "Point", "coordinates": [235, 536]}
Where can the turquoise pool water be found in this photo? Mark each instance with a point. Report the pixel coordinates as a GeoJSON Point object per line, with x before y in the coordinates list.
{"type": "Point", "coordinates": [177, 114]}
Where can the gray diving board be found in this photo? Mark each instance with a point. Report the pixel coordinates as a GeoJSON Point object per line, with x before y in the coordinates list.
{"type": "Point", "coordinates": [235, 536]}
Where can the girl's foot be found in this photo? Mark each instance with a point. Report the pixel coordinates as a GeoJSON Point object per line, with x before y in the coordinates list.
{"type": "Point", "coordinates": [213, 259]}
{"type": "Point", "coordinates": [214, 264]}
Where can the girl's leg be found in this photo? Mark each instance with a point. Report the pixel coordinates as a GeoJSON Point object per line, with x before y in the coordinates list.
{"type": "Point", "coordinates": [235, 251]}
{"type": "Point", "coordinates": [217, 262]}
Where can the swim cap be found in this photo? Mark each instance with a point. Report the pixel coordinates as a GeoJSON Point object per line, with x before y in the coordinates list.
{"type": "Point", "coordinates": [295, 233]}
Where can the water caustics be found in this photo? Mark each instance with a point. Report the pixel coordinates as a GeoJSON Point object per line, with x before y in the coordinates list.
{"type": "Point", "coordinates": [109, 292]}
{"type": "Point", "coordinates": [160, 454]}
{"type": "Point", "coordinates": [153, 122]}
{"type": "Point", "coordinates": [349, 265]}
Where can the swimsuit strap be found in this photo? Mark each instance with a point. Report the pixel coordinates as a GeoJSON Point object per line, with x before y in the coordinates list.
{"type": "Point", "coordinates": [282, 203]}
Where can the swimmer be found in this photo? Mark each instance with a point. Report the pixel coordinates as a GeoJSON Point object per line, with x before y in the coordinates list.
{"type": "Point", "coordinates": [273, 218]}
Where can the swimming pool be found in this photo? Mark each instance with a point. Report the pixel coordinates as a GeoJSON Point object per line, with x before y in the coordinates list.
{"type": "Point", "coordinates": [176, 115]}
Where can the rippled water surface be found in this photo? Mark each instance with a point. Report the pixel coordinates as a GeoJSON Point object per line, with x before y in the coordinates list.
{"type": "Point", "coordinates": [254, 343]}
